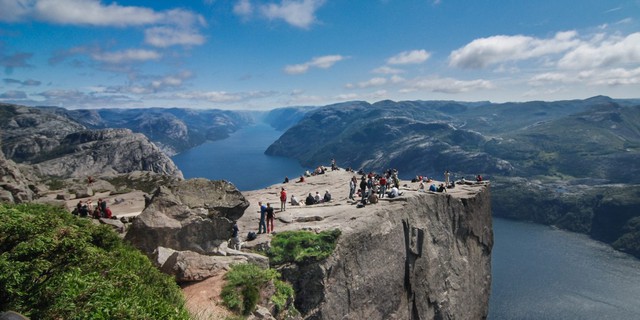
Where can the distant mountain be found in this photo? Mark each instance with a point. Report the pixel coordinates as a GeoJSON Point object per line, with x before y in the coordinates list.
{"type": "Point", "coordinates": [283, 118]}
{"type": "Point", "coordinates": [173, 129]}
{"type": "Point", "coordinates": [56, 146]}
{"type": "Point", "coordinates": [556, 162]}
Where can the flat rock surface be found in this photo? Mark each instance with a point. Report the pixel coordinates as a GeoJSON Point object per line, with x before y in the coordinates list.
{"type": "Point", "coordinates": [339, 213]}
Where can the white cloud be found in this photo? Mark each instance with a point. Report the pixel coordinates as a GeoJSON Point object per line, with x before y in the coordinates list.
{"type": "Point", "coordinates": [173, 27]}
{"type": "Point", "coordinates": [373, 82]}
{"type": "Point", "coordinates": [220, 96]}
{"type": "Point", "coordinates": [323, 62]}
{"type": "Point", "coordinates": [132, 55]}
{"type": "Point", "coordinates": [91, 12]}
{"type": "Point", "coordinates": [483, 52]}
{"type": "Point", "coordinates": [447, 85]}
{"type": "Point", "coordinates": [409, 57]}
{"type": "Point", "coordinates": [603, 52]}
{"type": "Point", "coordinates": [387, 70]}
{"type": "Point", "coordinates": [298, 13]}
{"type": "Point", "coordinates": [165, 37]}
{"type": "Point", "coordinates": [243, 8]}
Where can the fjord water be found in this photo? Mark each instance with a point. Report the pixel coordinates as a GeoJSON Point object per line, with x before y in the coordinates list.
{"type": "Point", "coordinates": [538, 272]}
{"type": "Point", "coordinates": [239, 159]}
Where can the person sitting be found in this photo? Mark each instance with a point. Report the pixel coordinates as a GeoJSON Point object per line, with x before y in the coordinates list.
{"type": "Point", "coordinates": [317, 199]}
{"type": "Point", "coordinates": [373, 198]}
{"type": "Point", "coordinates": [478, 178]}
{"type": "Point", "coordinates": [394, 192]}
{"type": "Point", "coordinates": [442, 188]}
{"type": "Point", "coordinates": [327, 196]}
{"type": "Point", "coordinates": [107, 213]}
{"type": "Point", "coordinates": [294, 201]}
{"type": "Point", "coordinates": [301, 179]}
{"type": "Point", "coordinates": [286, 180]}
{"type": "Point", "coordinates": [433, 188]}
{"type": "Point", "coordinates": [421, 187]}
{"type": "Point", "coordinates": [309, 200]}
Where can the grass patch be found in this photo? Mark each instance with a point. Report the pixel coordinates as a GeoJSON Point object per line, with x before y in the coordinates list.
{"type": "Point", "coordinates": [56, 266]}
{"type": "Point", "coordinates": [302, 246]}
{"type": "Point", "coordinates": [244, 283]}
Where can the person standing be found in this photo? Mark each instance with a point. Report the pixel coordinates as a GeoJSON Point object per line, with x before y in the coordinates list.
{"type": "Point", "coordinates": [270, 216]}
{"type": "Point", "coordinates": [383, 186]}
{"type": "Point", "coordinates": [262, 226]}
{"type": "Point", "coordinates": [352, 187]}
{"type": "Point", "coordinates": [235, 239]}
{"type": "Point", "coordinates": [446, 178]}
{"type": "Point", "coordinates": [283, 200]}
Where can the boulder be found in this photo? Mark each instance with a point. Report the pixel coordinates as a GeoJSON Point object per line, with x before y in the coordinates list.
{"type": "Point", "coordinates": [189, 266]}
{"type": "Point", "coordinates": [194, 215]}
{"type": "Point", "coordinates": [115, 223]}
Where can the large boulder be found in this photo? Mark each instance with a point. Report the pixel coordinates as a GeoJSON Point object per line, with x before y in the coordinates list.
{"type": "Point", "coordinates": [195, 215]}
{"type": "Point", "coordinates": [188, 266]}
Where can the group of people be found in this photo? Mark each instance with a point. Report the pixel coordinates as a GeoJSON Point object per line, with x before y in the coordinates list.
{"type": "Point", "coordinates": [85, 209]}
{"type": "Point", "coordinates": [311, 200]}
{"type": "Point", "coordinates": [374, 186]}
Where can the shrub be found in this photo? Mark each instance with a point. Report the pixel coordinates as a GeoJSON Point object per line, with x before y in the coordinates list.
{"type": "Point", "coordinates": [244, 283]}
{"type": "Point", "coordinates": [302, 246]}
{"type": "Point", "coordinates": [56, 266]}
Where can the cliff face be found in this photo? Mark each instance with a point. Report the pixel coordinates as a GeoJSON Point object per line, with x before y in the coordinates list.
{"type": "Point", "coordinates": [429, 260]}
{"type": "Point", "coordinates": [420, 256]}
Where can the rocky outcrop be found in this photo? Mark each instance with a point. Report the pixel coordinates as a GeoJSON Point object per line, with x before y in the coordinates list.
{"type": "Point", "coordinates": [14, 187]}
{"type": "Point", "coordinates": [28, 133]}
{"type": "Point", "coordinates": [186, 225]}
{"type": "Point", "coordinates": [419, 256]}
{"type": "Point", "coordinates": [429, 260]}
{"type": "Point", "coordinates": [59, 147]}
{"type": "Point", "coordinates": [195, 215]}
{"type": "Point", "coordinates": [103, 152]}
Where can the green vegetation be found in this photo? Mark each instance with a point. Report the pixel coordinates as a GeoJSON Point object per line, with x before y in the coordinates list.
{"type": "Point", "coordinates": [244, 283]}
{"type": "Point", "coordinates": [55, 183]}
{"type": "Point", "coordinates": [56, 266]}
{"type": "Point", "coordinates": [302, 246]}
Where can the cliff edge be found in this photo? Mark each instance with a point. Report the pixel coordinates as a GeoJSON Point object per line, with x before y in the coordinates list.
{"type": "Point", "coordinates": [420, 256]}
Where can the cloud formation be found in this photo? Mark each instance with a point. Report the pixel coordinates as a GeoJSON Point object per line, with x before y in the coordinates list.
{"type": "Point", "coordinates": [170, 27]}
{"type": "Point", "coordinates": [297, 13]}
{"type": "Point", "coordinates": [447, 85]}
{"type": "Point", "coordinates": [409, 57]}
{"type": "Point", "coordinates": [483, 52]}
{"type": "Point", "coordinates": [323, 62]}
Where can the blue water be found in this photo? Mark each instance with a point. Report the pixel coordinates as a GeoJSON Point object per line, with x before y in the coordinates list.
{"type": "Point", "coordinates": [543, 273]}
{"type": "Point", "coordinates": [239, 159]}
{"type": "Point", "coordinates": [538, 272]}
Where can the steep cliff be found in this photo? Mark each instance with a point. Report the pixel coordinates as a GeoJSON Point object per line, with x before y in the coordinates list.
{"type": "Point", "coordinates": [420, 256]}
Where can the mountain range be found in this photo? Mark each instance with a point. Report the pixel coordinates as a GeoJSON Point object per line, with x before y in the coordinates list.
{"type": "Point", "coordinates": [574, 164]}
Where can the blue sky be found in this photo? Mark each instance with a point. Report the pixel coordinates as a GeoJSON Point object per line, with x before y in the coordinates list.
{"type": "Point", "coordinates": [263, 54]}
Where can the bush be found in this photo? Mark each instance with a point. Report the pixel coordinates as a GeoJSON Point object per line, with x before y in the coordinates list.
{"type": "Point", "coordinates": [244, 283]}
{"type": "Point", "coordinates": [57, 266]}
{"type": "Point", "coordinates": [302, 246]}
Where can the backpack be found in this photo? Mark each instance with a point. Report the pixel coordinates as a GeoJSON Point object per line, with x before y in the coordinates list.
{"type": "Point", "coordinates": [251, 236]}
